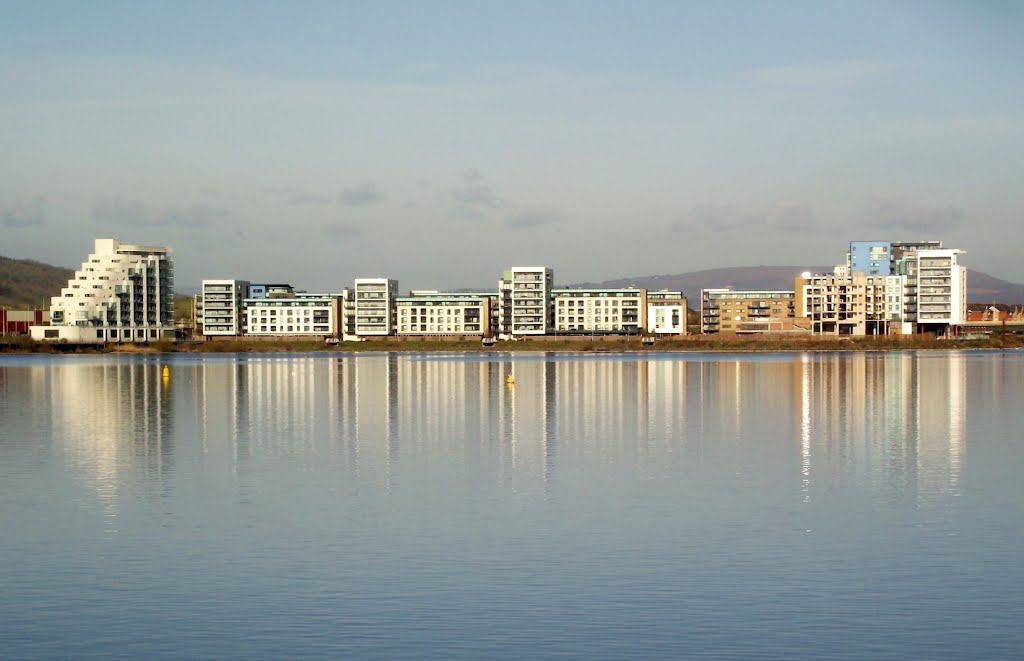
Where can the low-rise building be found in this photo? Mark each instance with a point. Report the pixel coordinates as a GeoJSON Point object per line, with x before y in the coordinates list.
{"type": "Point", "coordinates": [747, 311]}
{"type": "Point", "coordinates": [666, 312]}
{"type": "Point", "coordinates": [599, 311]}
{"type": "Point", "coordinates": [425, 313]}
{"type": "Point", "coordinates": [301, 314]}
{"type": "Point", "coordinates": [18, 322]}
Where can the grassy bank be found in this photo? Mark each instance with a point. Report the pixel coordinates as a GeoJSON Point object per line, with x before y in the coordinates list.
{"type": "Point", "coordinates": [579, 344]}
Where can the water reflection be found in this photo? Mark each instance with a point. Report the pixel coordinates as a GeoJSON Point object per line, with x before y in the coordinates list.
{"type": "Point", "coordinates": [112, 420]}
{"type": "Point", "coordinates": [380, 505]}
{"type": "Point", "coordinates": [899, 418]}
{"type": "Point", "coordinates": [894, 420]}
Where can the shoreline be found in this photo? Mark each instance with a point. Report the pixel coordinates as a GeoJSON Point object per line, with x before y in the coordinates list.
{"type": "Point", "coordinates": [697, 343]}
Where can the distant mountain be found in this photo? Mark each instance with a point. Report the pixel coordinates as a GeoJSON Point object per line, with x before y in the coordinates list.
{"type": "Point", "coordinates": [981, 287]}
{"type": "Point", "coordinates": [984, 288]}
{"type": "Point", "coordinates": [25, 283]}
{"type": "Point", "coordinates": [28, 283]}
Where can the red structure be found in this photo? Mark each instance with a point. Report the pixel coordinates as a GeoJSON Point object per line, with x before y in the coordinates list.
{"type": "Point", "coordinates": [16, 322]}
{"type": "Point", "coordinates": [994, 312]}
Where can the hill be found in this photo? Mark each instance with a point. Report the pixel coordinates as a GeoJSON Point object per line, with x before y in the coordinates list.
{"type": "Point", "coordinates": [981, 287]}
{"type": "Point", "coordinates": [25, 283]}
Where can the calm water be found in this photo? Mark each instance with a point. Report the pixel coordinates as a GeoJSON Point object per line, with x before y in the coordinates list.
{"type": "Point", "coordinates": [401, 506]}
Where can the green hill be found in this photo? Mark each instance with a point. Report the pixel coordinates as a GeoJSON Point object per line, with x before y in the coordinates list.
{"type": "Point", "coordinates": [25, 283]}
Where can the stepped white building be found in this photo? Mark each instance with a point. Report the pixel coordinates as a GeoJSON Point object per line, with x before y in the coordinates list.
{"type": "Point", "coordinates": [122, 293]}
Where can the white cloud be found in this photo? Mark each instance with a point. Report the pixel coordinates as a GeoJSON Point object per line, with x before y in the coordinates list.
{"type": "Point", "coordinates": [474, 192]}
{"type": "Point", "coordinates": [890, 212]}
{"type": "Point", "coordinates": [362, 195]}
{"type": "Point", "coordinates": [25, 215]}
{"type": "Point", "coordinates": [527, 218]}
{"type": "Point", "coordinates": [118, 211]}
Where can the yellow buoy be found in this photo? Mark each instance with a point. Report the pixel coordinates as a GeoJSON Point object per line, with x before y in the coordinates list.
{"type": "Point", "coordinates": [167, 372]}
{"type": "Point", "coordinates": [510, 379]}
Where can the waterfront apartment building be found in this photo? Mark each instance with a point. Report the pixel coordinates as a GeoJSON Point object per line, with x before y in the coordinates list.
{"type": "Point", "coordinates": [748, 311]}
{"type": "Point", "coordinates": [374, 306]}
{"type": "Point", "coordinates": [298, 314]}
{"type": "Point", "coordinates": [894, 287]}
{"type": "Point", "coordinates": [431, 313]}
{"type": "Point", "coordinates": [941, 290]}
{"type": "Point", "coordinates": [844, 303]}
{"type": "Point", "coordinates": [220, 307]}
{"type": "Point", "coordinates": [666, 313]}
{"type": "Point", "coordinates": [599, 311]}
{"type": "Point", "coordinates": [121, 293]}
{"type": "Point", "coordinates": [884, 257]}
{"type": "Point", "coordinates": [525, 301]}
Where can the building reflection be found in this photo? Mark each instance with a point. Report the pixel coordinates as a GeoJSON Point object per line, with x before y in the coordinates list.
{"type": "Point", "coordinates": [254, 406]}
{"type": "Point", "coordinates": [115, 420]}
{"type": "Point", "coordinates": [374, 410]}
{"type": "Point", "coordinates": [895, 420]}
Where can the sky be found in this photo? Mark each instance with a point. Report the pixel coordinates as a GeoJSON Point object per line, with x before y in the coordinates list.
{"type": "Point", "coordinates": [441, 142]}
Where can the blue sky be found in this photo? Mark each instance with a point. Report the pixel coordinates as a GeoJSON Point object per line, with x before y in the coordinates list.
{"type": "Point", "coordinates": [441, 142]}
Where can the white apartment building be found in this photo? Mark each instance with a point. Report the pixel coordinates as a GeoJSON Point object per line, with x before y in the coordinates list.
{"type": "Point", "coordinates": [435, 313]}
{"type": "Point", "coordinates": [122, 293]}
{"type": "Point", "coordinates": [525, 301]}
{"type": "Point", "coordinates": [220, 307]}
{"type": "Point", "coordinates": [299, 314]}
{"type": "Point", "coordinates": [666, 313]}
{"type": "Point", "coordinates": [374, 301]}
{"type": "Point", "coordinates": [941, 290]}
{"type": "Point", "coordinates": [923, 289]}
{"type": "Point", "coordinates": [599, 311]}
